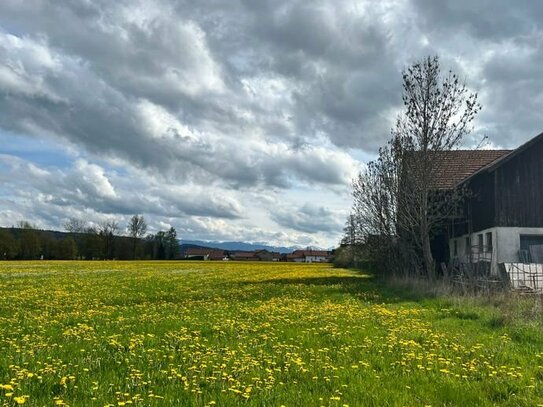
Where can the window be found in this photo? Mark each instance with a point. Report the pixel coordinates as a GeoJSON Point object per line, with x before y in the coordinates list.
{"type": "Point", "coordinates": [480, 242]}
{"type": "Point", "coordinates": [455, 248]}
{"type": "Point", "coordinates": [489, 242]}
{"type": "Point", "coordinates": [467, 249]}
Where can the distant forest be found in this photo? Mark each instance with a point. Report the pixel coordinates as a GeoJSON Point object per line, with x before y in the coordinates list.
{"type": "Point", "coordinates": [80, 241]}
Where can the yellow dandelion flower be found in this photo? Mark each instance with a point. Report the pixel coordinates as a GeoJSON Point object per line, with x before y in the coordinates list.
{"type": "Point", "coordinates": [20, 399]}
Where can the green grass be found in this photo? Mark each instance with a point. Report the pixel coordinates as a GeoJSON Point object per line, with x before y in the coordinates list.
{"type": "Point", "coordinates": [255, 334]}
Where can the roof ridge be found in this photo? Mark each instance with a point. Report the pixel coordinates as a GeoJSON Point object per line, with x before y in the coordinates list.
{"type": "Point", "coordinates": [479, 150]}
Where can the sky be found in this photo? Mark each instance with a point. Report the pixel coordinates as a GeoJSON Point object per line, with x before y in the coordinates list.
{"type": "Point", "coordinates": [239, 120]}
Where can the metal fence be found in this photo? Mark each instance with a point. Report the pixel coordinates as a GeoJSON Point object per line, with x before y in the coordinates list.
{"type": "Point", "coordinates": [525, 277]}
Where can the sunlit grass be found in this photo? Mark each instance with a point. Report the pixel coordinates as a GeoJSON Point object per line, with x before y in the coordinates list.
{"type": "Point", "coordinates": [261, 334]}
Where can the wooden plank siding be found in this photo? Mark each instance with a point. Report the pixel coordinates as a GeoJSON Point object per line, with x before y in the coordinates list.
{"type": "Point", "coordinates": [508, 195]}
{"type": "Point", "coordinates": [482, 209]}
{"type": "Point", "coordinates": [519, 191]}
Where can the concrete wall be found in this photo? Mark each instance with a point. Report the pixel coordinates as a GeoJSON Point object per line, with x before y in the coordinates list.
{"type": "Point", "coordinates": [505, 245]}
{"type": "Point", "coordinates": [509, 242]}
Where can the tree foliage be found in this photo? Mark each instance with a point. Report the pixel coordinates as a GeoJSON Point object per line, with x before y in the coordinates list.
{"type": "Point", "coordinates": [137, 227]}
{"type": "Point", "coordinates": [84, 241]}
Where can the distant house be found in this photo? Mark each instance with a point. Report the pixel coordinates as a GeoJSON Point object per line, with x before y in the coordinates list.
{"type": "Point", "coordinates": [244, 256]}
{"type": "Point", "coordinates": [296, 257]}
{"type": "Point", "coordinates": [276, 256]}
{"type": "Point", "coordinates": [502, 219]}
{"type": "Point", "coordinates": [265, 255]}
{"type": "Point", "coordinates": [200, 253]}
{"type": "Point", "coordinates": [197, 253]}
{"type": "Point", "coordinates": [218, 254]}
{"type": "Point", "coordinates": [309, 256]}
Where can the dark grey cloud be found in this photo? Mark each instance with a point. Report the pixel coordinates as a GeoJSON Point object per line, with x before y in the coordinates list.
{"type": "Point", "coordinates": [486, 19]}
{"type": "Point", "coordinates": [338, 64]}
{"type": "Point", "coordinates": [59, 94]}
{"type": "Point", "coordinates": [309, 218]}
{"type": "Point", "coordinates": [497, 46]}
{"type": "Point", "coordinates": [185, 59]}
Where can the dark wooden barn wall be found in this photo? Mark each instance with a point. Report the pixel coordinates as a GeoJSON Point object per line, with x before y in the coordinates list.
{"type": "Point", "coordinates": [482, 208]}
{"type": "Point", "coordinates": [519, 189]}
{"type": "Point", "coordinates": [511, 195]}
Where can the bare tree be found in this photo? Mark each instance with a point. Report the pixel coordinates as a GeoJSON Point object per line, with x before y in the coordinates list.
{"type": "Point", "coordinates": [398, 197]}
{"type": "Point", "coordinates": [350, 237]}
{"type": "Point", "coordinates": [438, 113]}
{"type": "Point", "coordinates": [77, 227]}
{"type": "Point", "coordinates": [107, 231]}
{"type": "Point", "coordinates": [136, 229]}
{"type": "Point", "coordinates": [74, 225]}
{"type": "Point", "coordinates": [375, 193]}
{"type": "Point", "coordinates": [172, 244]}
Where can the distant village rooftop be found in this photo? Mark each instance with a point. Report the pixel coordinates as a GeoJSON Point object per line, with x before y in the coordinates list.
{"type": "Point", "coordinates": [299, 256]}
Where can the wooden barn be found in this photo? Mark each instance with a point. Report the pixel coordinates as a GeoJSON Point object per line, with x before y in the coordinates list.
{"type": "Point", "coordinates": [502, 220]}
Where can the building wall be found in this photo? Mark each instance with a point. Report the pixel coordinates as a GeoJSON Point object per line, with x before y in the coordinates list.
{"type": "Point", "coordinates": [466, 253]}
{"type": "Point", "coordinates": [519, 189]}
{"type": "Point", "coordinates": [481, 208]}
{"type": "Point", "coordinates": [505, 245]}
{"type": "Point", "coordinates": [315, 259]}
{"type": "Point", "coordinates": [510, 195]}
{"type": "Point", "coordinates": [509, 242]}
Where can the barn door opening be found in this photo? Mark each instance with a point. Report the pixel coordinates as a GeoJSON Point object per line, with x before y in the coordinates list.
{"type": "Point", "coordinates": [531, 248]}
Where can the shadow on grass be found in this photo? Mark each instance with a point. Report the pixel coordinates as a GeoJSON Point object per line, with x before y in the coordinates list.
{"type": "Point", "coordinates": [376, 290]}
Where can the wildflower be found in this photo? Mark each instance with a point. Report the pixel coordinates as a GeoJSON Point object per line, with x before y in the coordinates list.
{"type": "Point", "coordinates": [20, 399]}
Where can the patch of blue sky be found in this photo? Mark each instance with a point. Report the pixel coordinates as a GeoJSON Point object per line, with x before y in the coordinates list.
{"type": "Point", "coordinates": [362, 156]}
{"type": "Point", "coordinates": [43, 152]}
{"type": "Point", "coordinates": [47, 152]}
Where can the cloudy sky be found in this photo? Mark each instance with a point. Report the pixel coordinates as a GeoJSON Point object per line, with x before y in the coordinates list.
{"type": "Point", "coordinates": [235, 120]}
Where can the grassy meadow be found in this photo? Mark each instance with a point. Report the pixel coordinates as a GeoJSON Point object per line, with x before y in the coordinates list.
{"type": "Point", "coordinates": [255, 334]}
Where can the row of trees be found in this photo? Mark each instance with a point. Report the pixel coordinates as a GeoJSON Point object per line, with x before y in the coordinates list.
{"type": "Point", "coordinates": [84, 241]}
{"type": "Point", "coordinates": [399, 205]}
{"type": "Point", "coordinates": [28, 243]}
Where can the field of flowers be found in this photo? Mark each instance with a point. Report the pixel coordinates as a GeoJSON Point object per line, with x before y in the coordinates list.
{"type": "Point", "coordinates": [255, 334]}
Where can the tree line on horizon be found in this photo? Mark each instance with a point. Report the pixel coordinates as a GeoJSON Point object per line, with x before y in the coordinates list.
{"type": "Point", "coordinates": [80, 240]}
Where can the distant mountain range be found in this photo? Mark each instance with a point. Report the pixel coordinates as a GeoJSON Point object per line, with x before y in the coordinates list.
{"type": "Point", "coordinates": [234, 246]}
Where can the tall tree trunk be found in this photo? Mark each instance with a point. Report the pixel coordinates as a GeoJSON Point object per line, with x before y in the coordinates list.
{"type": "Point", "coordinates": [425, 235]}
{"type": "Point", "coordinates": [427, 251]}
{"type": "Point", "coordinates": [428, 258]}
{"type": "Point", "coordinates": [135, 245]}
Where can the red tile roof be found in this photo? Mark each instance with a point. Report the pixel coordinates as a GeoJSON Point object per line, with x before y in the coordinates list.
{"type": "Point", "coordinates": [458, 165]}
